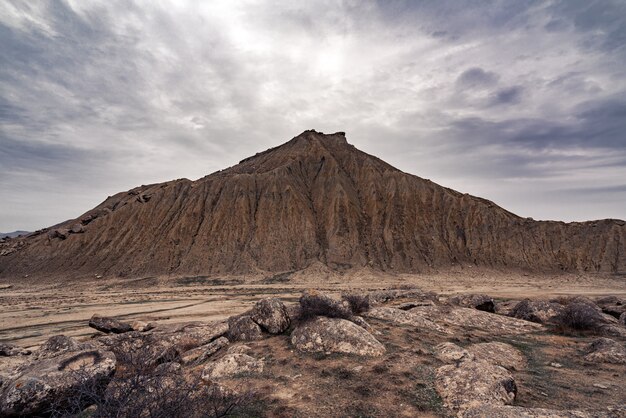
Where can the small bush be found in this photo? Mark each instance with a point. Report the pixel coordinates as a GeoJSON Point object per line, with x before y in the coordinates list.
{"type": "Point", "coordinates": [358, 303]}
{"type": "Point", "coordinates": [579, 316]}
{"type": "Point", "coordinates": [313, 304]}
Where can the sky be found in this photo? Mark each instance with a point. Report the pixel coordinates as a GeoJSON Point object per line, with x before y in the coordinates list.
{"type": "Point", "coordinates": [520, 102]}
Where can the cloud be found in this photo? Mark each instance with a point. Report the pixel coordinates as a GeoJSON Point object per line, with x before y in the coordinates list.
{"type": "Point", "coordinates": [98, 97]}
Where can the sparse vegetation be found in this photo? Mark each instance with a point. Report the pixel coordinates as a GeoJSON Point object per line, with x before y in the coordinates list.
{"type": "Point", "coordinates": [358, 303]}
{"type": "Point", "coordinates": [314, 304]}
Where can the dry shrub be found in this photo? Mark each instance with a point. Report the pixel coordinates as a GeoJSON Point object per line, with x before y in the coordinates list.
{"type": "Point", "coordinates": [139, 389]}
{"type": "Point", "coordinates": [358, 303]}
{"type": "Point", "coordinates": [313, 304]}
{"type": "Point", "coordinates": [578, 316]}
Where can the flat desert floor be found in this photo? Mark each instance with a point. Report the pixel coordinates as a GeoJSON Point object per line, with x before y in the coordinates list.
{"type": "Point", "coordinates": [31, 310]}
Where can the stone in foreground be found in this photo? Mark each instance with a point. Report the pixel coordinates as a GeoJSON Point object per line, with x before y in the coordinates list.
{"type": "Point", "coordinates": [232, 365]}
{"type": "Point", "coordinates": [606, 350]}
{"type": "Point", "coordinates": [474, 383]}
{"type": "Point", "coordinates": [271, 314]}
{"type": "Point", "coordinates": [50, 380]}
{"type": "Point", "coordinates": [109, 325]}
{"type": "Point", "coordinates": [334, 335]}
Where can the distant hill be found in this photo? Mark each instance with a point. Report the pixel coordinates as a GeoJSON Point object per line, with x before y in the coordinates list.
{"type": "Point", "coordinates": [315, 199]}
{"type": "Point", "coordinates": [13, 234]}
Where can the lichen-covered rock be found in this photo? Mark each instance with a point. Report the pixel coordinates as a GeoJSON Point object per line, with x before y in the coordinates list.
{"type": "Point", "coordinates": [473, 383]}
{"type": "Point", "coordinates": [232, 365]}
{"type": "Point", "coordinates": [200, 354]}
{"type": "Point", "coordinates": [142, 326]}
{"type": "Point", "coordinates": [109, 325]}
{"type": "Point", "coordinates": [501, 354]}
{"type": "Point", "coordinates": [271, 314]}
{"type": "Point", "coordinates": [507, 411]}
{"type": "Point", "coordinates": [49, 380]}
{"type": "Point", "coordinates": [399, 316]}
{"type": "Point", "coordinates": [451, 353]}
{"type": "Point", "coordinates": [606, 350]}
{"type": "Point", "coordinates": [335, 335]}
{"type": "Point", "coordinates": [10, 350]}
{"type": "Point", "coordinates": [480, 302]}
{"type": "Point", "coordinates": [243, 328]}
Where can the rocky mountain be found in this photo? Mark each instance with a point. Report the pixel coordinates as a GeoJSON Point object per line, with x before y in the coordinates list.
{"type": "Point", "coordinates": [315, 199]}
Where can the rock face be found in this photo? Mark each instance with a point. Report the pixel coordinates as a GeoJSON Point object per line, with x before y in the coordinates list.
{"type": "Point", "coordinates": [43, 382]}
{"type": "Point", "coordinates": [334, 335]}
{"type": "Point", "coordinates": [231, 365]}
{"type": "Point", "coordinates": [315, 199]}
{"type": "Point", "coordinates": [109, 325]}
{"type": "Point", "coordinates": [271, 314]}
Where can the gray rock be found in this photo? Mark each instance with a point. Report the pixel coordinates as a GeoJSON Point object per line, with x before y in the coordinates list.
{"type": "Point", "coordinates": [232, 365]}
{"type": "Point", "coordinates": [606, 350]}
{"type": "Point", "coordinates": [335, 335]}
{"type": "Point", "coordinates": [540, 311]}
{"type": "Point", "coordinates": [109, 325]}
{"type": "Point", "coordinates": [200, 354]}
{"type": "Point", "coordinates": [49, 380]}
{"type": "Point", "coordinates": [243, 328]}
{"type": "Point", "coordinates": [271, 314]}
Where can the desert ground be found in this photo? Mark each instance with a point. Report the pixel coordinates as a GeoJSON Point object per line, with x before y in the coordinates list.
{"type": "Point", "coordinates": [32, 310]}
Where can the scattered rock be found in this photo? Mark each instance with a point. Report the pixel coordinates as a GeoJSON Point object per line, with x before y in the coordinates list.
{"type": "Point", "coordinates": [540, 311]}
{"type": "Point", "coordinates": [451, 353]}
{"type": "Point", "coordinates": [49, 380]}
{"type": "Point", "coordinates": [271, 314]}
{"type": "Point", "coordinates": [383, 296]}
{"type": "Point", "coordinates": [142, 326]}
{"type": "Point", "coordinates": [200, 354]}
{"type": "Point", "coordinates": [231, 365]}
{"type": "Point", "coordinates": [480, 302]}
{"type": "Point", "coordinates": [606, 350]}
{"type": "Point", "coordinates": [600, 386]}
{"type": "Point", "coordinates": [473, 383]}
{"type": "Point", "coordinates": [59, 344]}
{"type": "Point", "coordinates": [109, 325]}
{"type": "Point", "coordinates": [238, 349]}
{"type": "Point", "coordinates": [10, 350]}
{"type": "Point", "coordinates": [506, 411]}
{"type": "Point", "coordinates": [77, 229]}
{"type": "Point", "coordinates": [243, 328]}
{"type": "Point", "coordinates": [406, 317]}
{"type": "Point", "coordinates": [498, 353]}
{"type": "Point", "coordinates": [556, 365]}
{"type": "Point", "coordinates": [335, 335]}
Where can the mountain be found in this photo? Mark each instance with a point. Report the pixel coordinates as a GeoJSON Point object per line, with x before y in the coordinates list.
{"type": "Point", "coordinates": [315, 199]}
{"type": "Point", "coordinates": [13, 234]}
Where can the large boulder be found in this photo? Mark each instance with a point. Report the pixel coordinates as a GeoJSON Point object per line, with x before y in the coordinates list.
{"type": "Point", "coordinates": [606, 350]}
{"type": "Point", "coordinates": [48, 381]}
{"type": "Point", "coordinates": [271, 314]}
{"type": "Point", "coordinates": [480, 302]}
{"type": "Point", "coordinates": [400, 316]}
{"type": "Point", "coordinates": [232, 365]}
{"type": "Point", "coordinates": [473, 383]}
{"type": "Point", "coordinates": [335, 335]}
{"type": "Point", "coordinates": [540, 311]}
{"type": "Point", "coordinates": [109, 325]}
{"type": "Point", "coordinates": [243, 328]}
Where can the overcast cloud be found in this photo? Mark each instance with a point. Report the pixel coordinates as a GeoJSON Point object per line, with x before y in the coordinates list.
{"type": "Point", "coordinates": [520, 102]}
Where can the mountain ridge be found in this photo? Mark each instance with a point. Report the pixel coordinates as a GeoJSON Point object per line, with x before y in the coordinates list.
{"type": "Point", "coordinates": [315, 198]}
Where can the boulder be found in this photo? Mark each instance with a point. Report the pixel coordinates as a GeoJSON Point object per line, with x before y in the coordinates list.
{"type": "Point", "coordinates": [109, 325]}
{"type": "Point", "coordinates": [540, 311]}
{"type": "Point", "coordinates": [50, 380]}
{"type": "Point", "coordinates": [606, 350]}
{"type": "Point", "coordinates": [243, 328]}
{"type": "Point", "coordinates": [232, 365]}
{"type": "Point", "coordinates": [200, 354]}
{"type": "Point", "coordinates": [335, 335]}
{"type": "Point", "coordinates": [451, 353]}
{"type": "Point", "coordinates": [10, 350]}
{"type": "Point", "coordinates": [271, 314]}
{"type": "Point", "coordinates": [474, 383]}
{"type": "Point", "coordinates": [480, 302]}
{"type": "Point", "coordinates": [501, 354]}
{"type": "Point", "coordinates": [622, 319]}
{"type": "Point", "coordinates": [142, 326]}
{"type": "Point", "coordinates": [59, 344]}
{"type": "Point", "coordinates": [399, 316]}
{"type": "Point", "coordinates": [382, 296]}
{"type": "Point", "coordinates": [507, 411]}
{"type": "Point", "coordinates": [238, 349]}
{"type": "Point", "coordinates": [612, 305]}
{"type": "Point", "coordinates": [77, 229]}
